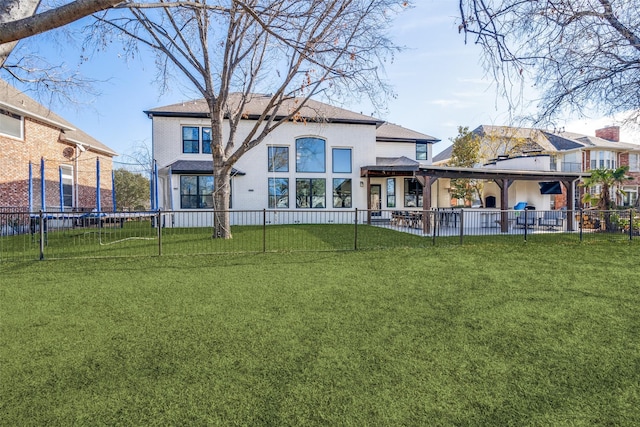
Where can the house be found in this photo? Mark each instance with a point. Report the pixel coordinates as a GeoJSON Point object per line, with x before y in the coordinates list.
{"type": "Point", "coordinates": [557, 151]}
{"type": "Point", "coordinates": [46, 162]}
{"type": "Point", "coordinates": [308, 165]}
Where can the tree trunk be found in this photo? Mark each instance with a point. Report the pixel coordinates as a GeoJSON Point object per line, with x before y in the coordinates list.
{"type": "Point", "coordinates": [221, 192]}
{"type": "Point", "coordinates": [12, 10]}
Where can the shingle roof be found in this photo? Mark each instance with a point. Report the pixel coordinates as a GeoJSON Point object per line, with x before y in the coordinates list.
{"type": "Point", "coordinates": [196, 166]}
{"type": "Point", "coordinates": [313, 110]}
{"type": "Point", "coordinates": [561, 143]}
{"type": "Point", "coordinates": [594, 141]}
{"type": "Point", "coordinates": [14, 100]}
{"type": "Point", "coordinates": [396, 161]}
{"type": "Point", "coordinates": [392, 132]}
{"type": "Point", "coordinates": [443, 155]}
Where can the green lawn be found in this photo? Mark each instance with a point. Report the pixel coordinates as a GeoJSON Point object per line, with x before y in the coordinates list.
{"type": "Point", "coordinates": [479, 334]}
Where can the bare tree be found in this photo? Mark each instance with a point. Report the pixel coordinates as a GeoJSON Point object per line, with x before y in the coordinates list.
{"type": "Point", "coordinates": [582, 54]}
{"type": "Point", "coordinates": [18, 19]}
{"type": "Point", "coordinates": [291, 49]}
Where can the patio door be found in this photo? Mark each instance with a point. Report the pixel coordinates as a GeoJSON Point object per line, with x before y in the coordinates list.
{"type": "Point", "coordinates": [376, 199]}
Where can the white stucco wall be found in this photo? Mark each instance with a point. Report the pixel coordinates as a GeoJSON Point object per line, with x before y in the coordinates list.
{"type": "Point", "coordinates": [251, 190]}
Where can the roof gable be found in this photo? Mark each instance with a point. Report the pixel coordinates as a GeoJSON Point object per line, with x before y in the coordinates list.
{"type": "Point", "coordinates": [18, 102]}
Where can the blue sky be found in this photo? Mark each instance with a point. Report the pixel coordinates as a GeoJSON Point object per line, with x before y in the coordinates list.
{"type": "Point", "coordinates": [439, 82]}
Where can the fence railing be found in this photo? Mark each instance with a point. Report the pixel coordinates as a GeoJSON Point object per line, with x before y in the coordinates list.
{"type": "Point", "coordinates": [31, 235]}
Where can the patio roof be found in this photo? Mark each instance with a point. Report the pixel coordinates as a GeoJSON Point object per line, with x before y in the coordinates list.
{"type": "Point", "coordinates": [429, 174]}
{"type": "Point", "coordinates": [490, 173]}
{"type": "Point", "coordinates": [475, 173]}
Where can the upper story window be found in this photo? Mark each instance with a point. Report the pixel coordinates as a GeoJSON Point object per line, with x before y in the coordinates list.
{"type": "Point", "coordinates": [278, 159]}
{"type": "Point", "coordinates": [310, 155]}
{"type": "Point", "coordinates": [341, 160]}
{"type": "Point", "coordinates": [196, 140]}
{"type": "Point", "coordinates": [603, 160]}
{"type": "Point", "coordinates": [206, 140]}
{"type": "Point", "coordinates": [421, 151]}
{"type": "Point", "coordinates": [190, 139]}
{"type": "Point", "coordinates": [634, 162]}
{"type": "Point", "coordinates": [11, 124]}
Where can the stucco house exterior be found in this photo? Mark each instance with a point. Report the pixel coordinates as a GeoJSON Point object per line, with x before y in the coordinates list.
{"type": "Point", "coordinates": [38, 145]}
{"type": "Point", "coordinates": [308, 165]}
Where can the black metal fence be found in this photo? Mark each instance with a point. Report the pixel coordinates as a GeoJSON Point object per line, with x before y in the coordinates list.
{"type": "Point", "coordinates": [30, 235]}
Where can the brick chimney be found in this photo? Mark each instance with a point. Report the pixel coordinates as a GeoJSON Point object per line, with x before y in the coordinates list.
{"type": "Point", "coordinates": [610, 133]}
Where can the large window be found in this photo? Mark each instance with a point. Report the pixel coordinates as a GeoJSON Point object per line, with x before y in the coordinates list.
{"type": "Point", "coordinates": [310, 155]}
{"type": "Point", "coordinates": [341, 193]}
{"type": "Point", "coordinates": [190, 139]}
{"type": "Point", "coordinates": [310, 193]}
{"type": "Point", "coordinates": [391, 192]}
{"type": "Point", "coordinates": [412, 193]}
{"type": "Point", "coordinates": [10, 124]}
{"type": "Point", "coordinates": [603, 160]}
{"type": "Point", "coordinates": [196, 191]}
{"type": "Point", "coordinates": [278, 193]}
{"type": "Point", "coordinates": [421, 150]}
{"type": "Point", "coordinates": [634, 162]}
{"type": "Point", "coordinates": [206, 140]}
{"type": "Point", "coordinates": [278, 159]}
{"type": "Point", "coordinates": [341, 160]}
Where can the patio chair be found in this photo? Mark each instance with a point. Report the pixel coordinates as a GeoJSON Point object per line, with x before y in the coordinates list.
{"type": "Point", "coordinates": [526, 220]}
{"type": "Point", "coordinates": [552, 220]}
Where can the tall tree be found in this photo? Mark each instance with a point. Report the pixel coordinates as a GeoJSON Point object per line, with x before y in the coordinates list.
{"type": "Point", "coordinates": [290, 49]}
{"type": "Point", "coordinates": [465, 153]}
{"type": "Point", "coordinates": [581, 54]}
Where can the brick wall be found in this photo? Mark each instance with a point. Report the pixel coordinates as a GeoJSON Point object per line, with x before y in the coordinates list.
{"type": "Point", "coordinates": [43, 141]}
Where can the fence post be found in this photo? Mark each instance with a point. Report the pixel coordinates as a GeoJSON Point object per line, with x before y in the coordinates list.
{"type": "Point", "coordinates": [355, 232]}
{"type": "Point", "coordinates": [526, 224]}
{"type": "Point", "coordinates": [461, 225]}
{"type": "Point", "coordinates": [158, 218]}
{"type": "Point", "coordinates": [436, 225]}
{"type": "Point", "coordinates": [581, 222]}
{"type": "Point", "coordinates": [41, 235]}
{"type": "Point", "coordinates": [631, 224]}
{"type": "Point", "coordinates": [264, 230]}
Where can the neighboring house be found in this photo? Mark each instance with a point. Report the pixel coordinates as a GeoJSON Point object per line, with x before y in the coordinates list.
{"type": "Point", "coordinates": [556, 151]}
{"type": "Point", "coordinates": [36, 140]}
{"type": "Point", "coordinates": [308, 165]}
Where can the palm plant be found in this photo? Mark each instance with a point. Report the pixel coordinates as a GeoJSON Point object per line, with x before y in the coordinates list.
{"type": "Point", "coordinates": [607, 179]}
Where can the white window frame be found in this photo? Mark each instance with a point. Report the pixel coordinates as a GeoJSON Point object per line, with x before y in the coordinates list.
{"type": "Point", "coordinates": [5, 117]}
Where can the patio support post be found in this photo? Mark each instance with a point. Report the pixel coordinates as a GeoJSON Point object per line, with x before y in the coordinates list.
{"type": "Point", "coordinates": [368, 199]}
{"type": "Point", "coordinates": [426, 202]}
{"type": "Point", "coordinates": [504, 185]}
{"type": "Point", "coordinates": [569, 185]}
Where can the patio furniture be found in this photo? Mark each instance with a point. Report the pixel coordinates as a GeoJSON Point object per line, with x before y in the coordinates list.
{"type": "Point", "coordinates": [552, 220]}
{"type": "Point", "coordinates": [526, 219]}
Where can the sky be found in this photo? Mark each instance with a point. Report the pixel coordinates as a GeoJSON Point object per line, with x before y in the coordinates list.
{"type": "Point", "coordinates": [438, 80]}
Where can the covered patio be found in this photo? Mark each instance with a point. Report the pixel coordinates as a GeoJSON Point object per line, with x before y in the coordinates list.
{"type": "Point", "coordinates": [427, 176]}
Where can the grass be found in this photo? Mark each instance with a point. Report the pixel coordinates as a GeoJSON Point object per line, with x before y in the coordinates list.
{"type": "Point", "coordinates": [472, 335]}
